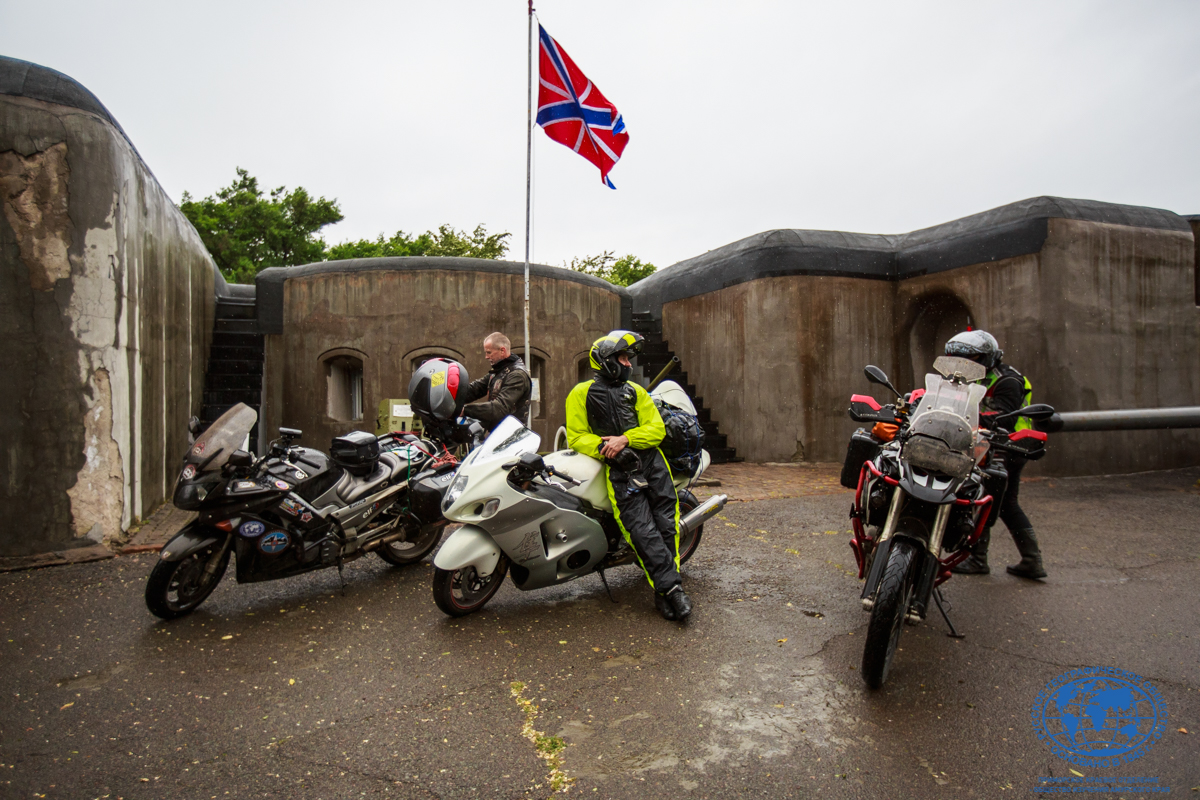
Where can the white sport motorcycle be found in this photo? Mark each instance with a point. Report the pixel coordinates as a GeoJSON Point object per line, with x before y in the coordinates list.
{"type": "Point", "coordinates": [546, 520]}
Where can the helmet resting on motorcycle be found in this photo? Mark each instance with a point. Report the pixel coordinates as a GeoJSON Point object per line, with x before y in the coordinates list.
{"type": "Point", "coordinates": [437, 387]}
{"type": "Point", "coordinates": [606, 349]}
{"type": "Point", "coordinates": [979, 346]}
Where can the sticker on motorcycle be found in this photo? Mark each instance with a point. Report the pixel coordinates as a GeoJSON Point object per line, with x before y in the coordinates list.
{"type": "Point", "coordinates": [306, 517]}
{"type": "Point", "coordinates": [274, 542]}
{"type": "Point", "coordinates": [189, 472]}
{"type": "Point", "coordinates": [282, 485]}
{"type": "Point", "coordinates": [301, 474]}
{"type": "Point", "coordinates": [244, 485]}
{"type": "Point", "coordinates": [252, 528]}
{"type": "Point", "coordinates": [290, 506]}
{"type": "Point", "coordinates": [198, 449]}
{"type": "Point", "coordinates": [529, 548]}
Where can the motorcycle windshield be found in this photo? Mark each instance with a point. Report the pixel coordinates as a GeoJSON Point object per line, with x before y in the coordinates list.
{"type": "Point", "coordinates": [507, 442]}
{"type": "Point", "coordinates": [226, 435]}
{"type": "Point", "coordinates": [960, 399]}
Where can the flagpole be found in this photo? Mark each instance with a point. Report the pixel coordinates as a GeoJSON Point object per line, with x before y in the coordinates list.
{"type": "Point", "coordinates": [528, 185]}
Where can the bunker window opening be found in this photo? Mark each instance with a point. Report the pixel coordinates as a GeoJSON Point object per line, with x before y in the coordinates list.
{"type": "Point", "coordinates": [344, 388]}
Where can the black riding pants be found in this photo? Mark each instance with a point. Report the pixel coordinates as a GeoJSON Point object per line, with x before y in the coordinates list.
{"type": "Point", "coordinates": [1010, 510]}
{"type": "Point", "coordinates": [647, 510]}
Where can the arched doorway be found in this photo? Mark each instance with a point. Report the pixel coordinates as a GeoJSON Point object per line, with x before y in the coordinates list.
{"type": "Point", "coordinates": [935, 318]}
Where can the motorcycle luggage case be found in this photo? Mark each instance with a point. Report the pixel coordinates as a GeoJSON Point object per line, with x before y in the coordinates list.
{"type": "Point", "coordinates": [357, 452]}
{"type": "Point", "coordinates": [862, 448]}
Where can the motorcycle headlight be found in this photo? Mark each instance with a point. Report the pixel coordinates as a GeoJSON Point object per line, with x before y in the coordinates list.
{"type": "Point", "coordinates": [454, 492]}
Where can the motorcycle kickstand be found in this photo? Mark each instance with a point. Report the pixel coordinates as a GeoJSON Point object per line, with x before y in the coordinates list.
{"type": "Point", "coordinates": [937, 598]}
{"type": "Point", "coordinates": [605, 582]}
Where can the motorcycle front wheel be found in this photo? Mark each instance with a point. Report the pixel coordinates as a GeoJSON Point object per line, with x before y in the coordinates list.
{"type": "Point", "coordinates": [418, 543]}
{"type": "Point", "coordinates": [177, 588]}
{"type": "Point", "coordinates": [688, 542]}
{"type": "Point", "coordinates": [459, 592]}
{"type": "Point", "coordinates": [887, 616]}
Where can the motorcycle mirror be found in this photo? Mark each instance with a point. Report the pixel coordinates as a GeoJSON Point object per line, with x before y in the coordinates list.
{"type": "Point", "coordinates": [876, 375]}
{"type": "Point", "coordinates": [1037, 412]}
{"type": "Point", "coordinates": [531, 461]}
{"type": "Point", "coordinates": [290, 433]}
{"type": "Point", "coordinates": [240, 458]}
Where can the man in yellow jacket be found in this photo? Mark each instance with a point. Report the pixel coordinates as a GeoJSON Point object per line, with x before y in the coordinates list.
{"type": "Point", "coordinates": [614, 420]}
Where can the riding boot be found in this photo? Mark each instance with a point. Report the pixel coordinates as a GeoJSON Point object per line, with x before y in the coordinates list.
{"type": "Point", "coordinates": [664, 607]}
{"type": "Point", "coordinates": [1030, 565]}
{"type": "Point", "coordinates": [976, 563]}
{"type": "Point", "coordinates": [680, 603]}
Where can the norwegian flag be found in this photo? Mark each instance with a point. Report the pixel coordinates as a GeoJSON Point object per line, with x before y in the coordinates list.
{"type": "Point", "coordinates": [573, 112]}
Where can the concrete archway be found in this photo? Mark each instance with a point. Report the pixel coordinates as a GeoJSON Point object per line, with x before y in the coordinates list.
{"type": "Point", "coordinates": [934, 319]}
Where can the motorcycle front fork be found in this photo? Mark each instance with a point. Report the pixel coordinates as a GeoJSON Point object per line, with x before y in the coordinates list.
{"type": "Point", "coordinates": [929, 564]}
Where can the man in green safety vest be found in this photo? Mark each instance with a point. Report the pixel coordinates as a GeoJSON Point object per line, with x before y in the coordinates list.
{"type": "Point", "coordinates": [1007, 391]}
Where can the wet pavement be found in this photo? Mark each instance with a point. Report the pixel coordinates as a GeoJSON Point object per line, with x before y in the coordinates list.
{"type": "Point", "coordinates": [293, 689]}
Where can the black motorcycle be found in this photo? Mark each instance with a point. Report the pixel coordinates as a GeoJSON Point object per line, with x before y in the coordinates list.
{"type": "Point", "coordinates": [927, 482]}
{"type": "Point", "coordinates": [296, 509]}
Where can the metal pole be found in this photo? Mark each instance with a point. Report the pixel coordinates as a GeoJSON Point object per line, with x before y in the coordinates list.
{"type": "Point", "coordinates": [528, 191]}
{"type": "Point", "coordinates": [1129, 419]}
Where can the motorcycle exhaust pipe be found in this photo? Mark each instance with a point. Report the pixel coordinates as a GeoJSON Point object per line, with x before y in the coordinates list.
{"type": "Point", "coordinates": [375, 544]}
{"type": "Point", "coordinates": [703, 512]}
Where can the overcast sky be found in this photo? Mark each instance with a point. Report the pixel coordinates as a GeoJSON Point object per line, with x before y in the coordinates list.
{"type": "Point", "coordinates": [743, 116]}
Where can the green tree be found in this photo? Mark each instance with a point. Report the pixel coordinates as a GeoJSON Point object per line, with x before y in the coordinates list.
{"type": "Point", "coordinates": [621, 271]}
{"type": "Point", "coordinates": [246, 232]}
{"type": "Point", "coordinates": [446, 242]}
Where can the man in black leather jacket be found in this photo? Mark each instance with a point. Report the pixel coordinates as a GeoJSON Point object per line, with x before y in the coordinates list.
{"type": "Point", "coordinates": [506, 389]}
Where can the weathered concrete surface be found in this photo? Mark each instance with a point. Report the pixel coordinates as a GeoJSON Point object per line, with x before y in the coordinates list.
{"type": "Point", "coordinates": [106, 309]}
{"type": "Point", "coordinates": [289, 688]}
{"type": "Point", "coordinates": [1102, 316]}
{"type": "Point", "coordinates": [389, 315]}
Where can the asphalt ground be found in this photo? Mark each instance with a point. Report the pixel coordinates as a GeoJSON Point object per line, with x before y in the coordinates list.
{"type": "Point", "coordinates": [293, 689]}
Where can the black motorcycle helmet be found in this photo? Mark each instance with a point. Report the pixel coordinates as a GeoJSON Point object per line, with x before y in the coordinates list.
{"type": "Point", "coordinates": [606, 349]}
{"type": "Point", "coordinates": [979, 346]}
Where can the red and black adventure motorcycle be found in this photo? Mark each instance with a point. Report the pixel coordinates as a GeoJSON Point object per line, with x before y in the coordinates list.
{"type": "Point", "coordinates": [927, 482]}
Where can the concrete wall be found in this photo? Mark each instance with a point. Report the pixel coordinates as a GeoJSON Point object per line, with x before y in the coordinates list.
{"type": "Point", "coordinates": [386, 312]}
{"type": "Point", "coordinates": [776, 359]}
{"type": "Point", "coordinates": [1099, 316]}
{"type": "Point", "coordinates": [106, 310]}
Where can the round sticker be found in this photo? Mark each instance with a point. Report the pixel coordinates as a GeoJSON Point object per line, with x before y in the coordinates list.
{"type": "Point", "coordinates": [252, 528]}
{"type": "Point", "coordinates": [189, 472]}
{"type": "Point", "coordinates": [282, 485]}
{"type": "Point", "coordinates": [301, 474]}
{"type": "Point", "coordinates": [199, 448]}
{"type": "Point", "coordinates": [274, 542]}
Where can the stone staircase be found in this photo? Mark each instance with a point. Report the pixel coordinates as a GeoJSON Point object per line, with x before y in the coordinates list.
{"type": "Point", "coordinates": [235, 362]}
{"type": "Point", "coordinates": [656, 355]}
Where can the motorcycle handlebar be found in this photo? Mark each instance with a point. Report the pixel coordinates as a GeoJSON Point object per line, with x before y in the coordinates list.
{"type": "Point", "coordinates": [551, 471]}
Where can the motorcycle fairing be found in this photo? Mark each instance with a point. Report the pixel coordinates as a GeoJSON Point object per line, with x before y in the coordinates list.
{"type": "Point", "coordinates": [191, 539]}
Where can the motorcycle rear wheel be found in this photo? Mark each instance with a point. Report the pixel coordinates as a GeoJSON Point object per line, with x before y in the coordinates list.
{"type": "Point", "coordinates": [403, 553]}
{"type": "Point", "coordinates": [887, 616]}
{"type": "Point", "coordinates": [688, 542]}
{"type": "Point", "coordinates": [177, 588]}
{"type": "Point", "coordinates": [459, 592]}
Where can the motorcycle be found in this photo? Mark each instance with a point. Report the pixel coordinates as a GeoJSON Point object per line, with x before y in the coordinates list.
{"type": "Point", "coordinates": [544, 520]}
{"type": "Point", "coordinates": [928, 483]}
{"type": "Point", "coordinates": [296, 509]}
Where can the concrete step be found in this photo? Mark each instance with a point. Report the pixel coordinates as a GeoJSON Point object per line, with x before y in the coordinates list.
{"type": "Point", "coordinates": [237, 381]}
{"type": "Point", "coordinates": [236, 326]}
{"type": "Point", "coordinates": [230, 367]}
{"type": "Point", "coordinates": [236, 308]}
{"type": "Point", "coordinates": [229, 397]}
{"type": "Point", "coordinates": [220, 353]}
{"type": "Point", "coordinates": [227, 339]}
